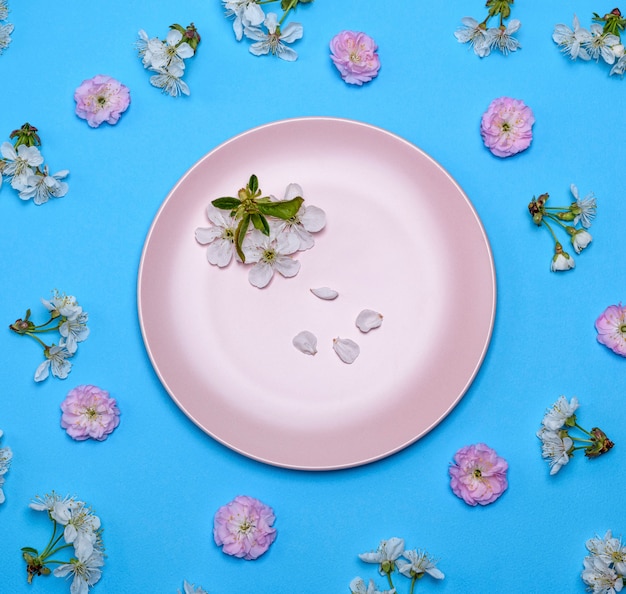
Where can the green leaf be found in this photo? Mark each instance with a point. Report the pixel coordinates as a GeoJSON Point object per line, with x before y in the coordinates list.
{"type": "Point", "coordinates": [226, 203]}
{"type": "Point", "coordinates": [240, 234]}
{"type": "Point", "coordinates": [30, 550]}
{"type": "Point", "coordinates": [253, 184]}
{"type": "Point", "coordinates": [285, 209]}
{"type": "Point", "coordinates": [260, 223]}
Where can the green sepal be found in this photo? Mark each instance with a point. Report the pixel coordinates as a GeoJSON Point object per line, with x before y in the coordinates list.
{"type": "Point", "coordinates": [30, 550]}
{"type": "Point", "coordinates": [285, 209]}
{"type": "Point", "coordinates": [253, 184]}
{"type": "Point", "coordinates": [240, 234]}
{"type": "Point", "coordinates": [226, 203]}
{"type": "Point", "coordinates": [260, 223]}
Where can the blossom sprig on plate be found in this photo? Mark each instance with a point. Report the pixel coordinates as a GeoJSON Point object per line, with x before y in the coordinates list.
{"type": "Point", "coordinates": [5, 28]}
{"type": "Point", "coordinates": [5, 462]}
{"type": "Point", "coordinates": [67, 318]}
{"type": "Point", "coordinates": [601, 41]}
{"type": "Point", "coordinates": [391, 555]}
{"type": "Point", "coordinates": [257, 229]}
{"type": "Point", "coordinates": [581, 211]}
{"type": "Point", "coordinates": [268, 32]}
{"type": "Point", "coordinates": [167, 57]}
{"type": "Point", "coordinates": [483, 38]}
{"type": "Point", "coordinates": [22, 165]}
{"type": "Point", "coordinates": [75, 528]}
{"type": "Point", "coordinates": [559, 443]}
{"type": "Point", "coordinates": [605, 567]}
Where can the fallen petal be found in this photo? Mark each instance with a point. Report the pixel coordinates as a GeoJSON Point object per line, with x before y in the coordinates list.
{"type": "Point", "coordinates": [325, 293]}
{"type": "Point", "coordinates": [346, 349]}
{"type": "Point", "coordinates": [368, 320]}
{"type": "Point", "coordinates": [305, 342]}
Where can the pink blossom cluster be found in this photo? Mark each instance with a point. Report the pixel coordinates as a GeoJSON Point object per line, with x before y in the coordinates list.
{"type": "Point", "coordinates": [354, 55]}
{"type": "Point", "coordinates": [478, 475]}
{"type": "Point", "coordinates": [101, 99]}
{"type": "Point", "coordinates": [506, 126]}
{"type": "Point", "coordinates": [89, 412]}
{"type": "Point", "coordinates": [243, 527]}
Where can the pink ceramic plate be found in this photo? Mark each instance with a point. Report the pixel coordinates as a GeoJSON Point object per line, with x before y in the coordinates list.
{"type": "Point", "coordinates": [401, 238]}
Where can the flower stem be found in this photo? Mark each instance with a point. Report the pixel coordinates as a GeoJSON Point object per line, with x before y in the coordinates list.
{"type": "Point", "coordinates": [43, 344]}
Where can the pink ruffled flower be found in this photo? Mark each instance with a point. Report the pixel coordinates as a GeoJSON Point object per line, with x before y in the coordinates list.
{"type": "Point", "coordinates": [88, 411]}
{"type": "Point", "coordinates": [506, 127]}
{"type": "Point", "coordinates": [354, 55]}
{"type": "Point", "coordinates": [101, 99]}
{"type": "Point", "coordinates": [478, 475]}
{"type": "Point", "coordinates": [611, 327]}
{"type": "Point", "coordinates": [243, 527]}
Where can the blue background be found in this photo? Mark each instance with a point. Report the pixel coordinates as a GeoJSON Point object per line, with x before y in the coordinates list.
{"type": "Point", "coordinates": [157, 481]}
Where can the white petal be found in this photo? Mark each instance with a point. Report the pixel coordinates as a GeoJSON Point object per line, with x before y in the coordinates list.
{"type": "Point", "coordinates": [260, 274]}
{"type": "Point", "coordinates": [368, 319]}
{"type": "Point", "coordinates": [288, 267]}
{"type": "Point", "coordinates": [305, 342]}
{"type": "Point", "coordinates": [43, 371]}
{"type": "Point", "coordinates": [293, 191]}
{"type": "Point", "coordinates": [325, 293]}
{"type": "Point", "coordinates": [206, 235]}
{"type": "Point", "coordinates": [291, 32]}
{"type": "Point", "coordinates": [313, 219]}
{"type": "Point", "coordinates": [220, 252]}
{"type": "Point", "coordinates": [347, 350]}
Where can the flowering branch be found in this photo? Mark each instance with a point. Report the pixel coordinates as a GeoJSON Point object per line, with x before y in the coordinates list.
{"type": "Point", "coordinates": [581, 211]}
{"type": "Point", "coordinates": [558, 442]}
{"type": "Point", "coordinates": [484, 39]}
{"type": "Point", "coordinates": [22, 165]}
{"type": "Point", "coordinates": [391, 555]}
{"type": "Point", "coordinates": [74, 525]}
{"type": "Point", "coordinates": [66, 317]}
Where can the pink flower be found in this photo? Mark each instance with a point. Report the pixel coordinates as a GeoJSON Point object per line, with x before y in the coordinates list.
{"type": "Point", "coordinates": [88, 411]}
{"type": "Point", "coordinates": [506, 127]}
{"type": "Point", "coordinates": [101, 99]}
{"type": "Point", "coordinates": [611, 327]}
{"type": "Point", "coordinates": [243, 527]}
{"type": "Point", "coordinates": [478, 474]}
{"type": "Point", "coordinates": [354, 55]}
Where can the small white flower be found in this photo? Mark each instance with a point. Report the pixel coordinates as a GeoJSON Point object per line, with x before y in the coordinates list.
{"type": "Point", "coordinates": [555, 448]}
{"type": "Point", "coordinates": [247, 14]}
{"type": "Point", "coordinates": [475, 34]}
{"type": "Point", "coordinates": [580, 240]}
{"type": "Point", "coordinates": [619, 67]}
{"type": "Point", "coordinates": [56, 362]}
{"type": "Point", "coordinates": [57, 507]}
{"type": "Point", "coordinates": [275, 39]}
{"type": "Point", "coordinates": [170, 81]}
{"type": "Point", "coordinates": [562, 261]}
{"type": "Point", "coordinates": [561, 411]}
{"type": "Point", "coordinates": [162, 54]}
{"type": "Point", "coordinates": [308, 219]}
{"type": "Point", "coordinates": [586, 206]}
{"type": "Point", "coordinates": [269, 254]}
{"type": "Point", "coordinates": [4, 10]}
{"type": "Point", "coordinates": [5, 36]}
{"type": "Point", "coordinates": [610, 550]}
{"type": "Point", "coordinates": [417, 563]}
{"type": "Point", "coordinates": [74, 330]}
{"type": "Point", "coordinates": [386, 555]}
{"type": "Point", "coordinates": [601, 578]}
{"type": "Point", "coordinates": [572, 41]}
{"type": "Point", "coordinates": [502, 37]}
{"type": "Point", "coordinates": [43, 186]}
{"type": "Point", "coordinates": [357, 586]}
{"type": "Point", "coordinates": [601, 44]}
{"type": "Point", "coordinates": [62, 305]}
{"type": "Point", "coordinates": [220, 237]}
{"type": "Point", "coordinates": [19, 164]}
{"type": "Point", "coordinates": [84, 568]}
{"type": "Point", "coordinates": [81, 529]}
{"type": "Point", "coordinates": [5, 462]}
{"type": "Point", "coordinates": [191, 589]}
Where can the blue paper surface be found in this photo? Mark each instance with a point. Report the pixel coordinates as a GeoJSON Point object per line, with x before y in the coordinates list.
{"type": "Point", "coordinates": [158, 479]}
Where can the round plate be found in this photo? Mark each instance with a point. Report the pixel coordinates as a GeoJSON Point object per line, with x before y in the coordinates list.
{"type": "Point", "coordinates": [401, 238]}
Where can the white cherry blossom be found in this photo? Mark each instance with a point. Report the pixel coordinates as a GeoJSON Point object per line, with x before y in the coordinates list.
{"type": "Point", "coordinates": [269, 254]}
{"type": "Point", "coordinates": [273, 41]}
{"type": "Point", "coordinates": [219, 237]}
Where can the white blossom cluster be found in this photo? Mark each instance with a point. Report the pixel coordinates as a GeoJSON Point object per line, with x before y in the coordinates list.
{"type": "Point", "coordinates": [81, 529]}
{"type": "Point", "coordinates": [5, 28]}
{"type": "Point", "coordinates": [24, 169]}
{"type": "Point", "coordinates": [605, 567]}
{"type": "Point", "coordinates": [5, 462]}
{"type": "Point", "coordinates": [591, 44]}
{"type": "Point", "coordinates": [267, 253]}
{"type": "Point", "coordinates": [265, 30]}
{"type": "Point", "coordinates": [191, 589]}
{"type": "Point", "coordinates": [484, 39]}
{"type": "Point", "coordinates": [167, 59]}
{"type": "Point", "coordinates": [556, 443]}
